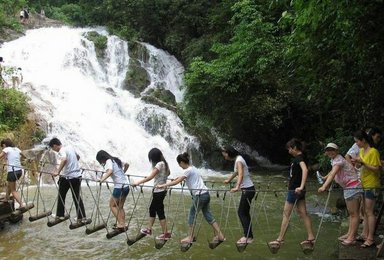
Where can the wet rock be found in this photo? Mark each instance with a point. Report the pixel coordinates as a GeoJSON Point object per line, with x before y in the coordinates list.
{"type": "Point", "coordinates": [137, 78]}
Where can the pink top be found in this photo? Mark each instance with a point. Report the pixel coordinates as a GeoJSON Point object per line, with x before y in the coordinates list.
{"type": "Point", "coordinates": [347, 176]}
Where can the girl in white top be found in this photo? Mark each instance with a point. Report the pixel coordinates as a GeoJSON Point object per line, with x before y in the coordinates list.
{"type": "Point", "coordinates": [114, 168]}
{"type": "Point", "coordinates": [245, 184]}
{"type": "Point", "coordinates": [200, 197]}
{"type": "Point", "coordinates": [12, 154]}
{"type": "Point", "coordinates": [159, 173]}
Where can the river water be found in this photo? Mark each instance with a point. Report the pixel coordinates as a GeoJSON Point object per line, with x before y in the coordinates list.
{"type": "Point", "coordinates": [35, 240]}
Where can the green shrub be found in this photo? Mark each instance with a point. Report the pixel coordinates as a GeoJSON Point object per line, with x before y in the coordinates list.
{"type": "Point", "coordinates": [13, 109]}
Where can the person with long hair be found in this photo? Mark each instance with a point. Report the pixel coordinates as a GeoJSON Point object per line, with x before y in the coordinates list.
{"type": "Point", "coordinates": [200, 198]}
{"type": "Point", "coordinates": [369, 164]}
{"type": "Point", "coordinates": [160, 172]}
{"type": "Point", "coordinates": [347, 177]}
{"type": "Point", "coordinates": [244, 184]}
{"type": "Point", "coordinates": [14, 169]}
{"type": "Point", "coordinates": [115, 168]}
{"type": "Point", "coordinates": [296, 193]}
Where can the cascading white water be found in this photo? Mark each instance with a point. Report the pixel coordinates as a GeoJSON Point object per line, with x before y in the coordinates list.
{"type": "Point", "coordinates": [82, 100]}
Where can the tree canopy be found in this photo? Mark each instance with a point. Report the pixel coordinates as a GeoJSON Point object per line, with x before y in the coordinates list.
{"type": "Point", "coordinates": [258, 71]}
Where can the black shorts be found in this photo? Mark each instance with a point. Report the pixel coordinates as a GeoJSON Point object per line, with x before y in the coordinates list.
{"type": "Point", "coordinates": [14, 176]}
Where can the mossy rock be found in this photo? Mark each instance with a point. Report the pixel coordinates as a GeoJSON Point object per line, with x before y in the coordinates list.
{"type": "Point", "coordinates": [155, 124]}
{"type": "Point", "coordinates": [136, 79]}
{"type": "Point", "coordinates": [161, 97]}
{"type": "Point", "coordinates": [100, 42]}
{"type": "Point", "coordinates": [138, 51]}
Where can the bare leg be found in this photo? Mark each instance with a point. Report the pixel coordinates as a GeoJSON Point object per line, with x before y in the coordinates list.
{"type": "Point", "coordinates": [287, 211]}
{"type": "Point", "coordinates": [353, 207]}
{"type": "Point", "coordinates": [370, 219]}
{"type": "Point", "coordinates": [302, 210]}
{"type": "Point", "coordinates": [189, 238]}
{"type": "Point", "coordinates": [121, 213]}
{"type": "Point", "coordinates": [15, 194]}
{"type": "Point", "coordinates": [163, 224]}
{"type": "Point", "coordinates": [217, 231]}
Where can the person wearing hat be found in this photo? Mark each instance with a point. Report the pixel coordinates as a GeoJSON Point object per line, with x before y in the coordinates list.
{"type": "Point", "coordinates": [346, 176]}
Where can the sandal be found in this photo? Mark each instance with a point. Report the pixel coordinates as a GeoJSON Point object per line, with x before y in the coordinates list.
{"type": "Point", "coordinates": [276, 242]}
{"type": "Point", "coordinates": [343, 237]}
{"type": "Point", "coordinates": [122, 229]}
{"type": "Point", "coordinates": [361, 238]}
{"type": "Point", "coordinates": [308, 241]}
{"type": "Point", "coordinates": [187, 240]}
{"type": "Point", "coordinates": [348, 242]}
{"type": "Point", "coordinates": [217, 240]}
{"type": "Point", "coordinates": [366, 244]}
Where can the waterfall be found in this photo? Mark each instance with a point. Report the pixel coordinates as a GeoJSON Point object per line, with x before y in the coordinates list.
{"type": "Point", "coordinates": [82, 101]}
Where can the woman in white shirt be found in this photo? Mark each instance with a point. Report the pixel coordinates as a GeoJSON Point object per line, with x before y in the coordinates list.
{"type": "Point", "coordinates": [116, 169]}
{"type": "Point", "coordinates": [244, 184]}
{"type": "Point", "coordinates": [160, 172]}
{"type": "Point", "coordinates": [12, 154]}
{"type": "Point", "coordinates": [200, 197]}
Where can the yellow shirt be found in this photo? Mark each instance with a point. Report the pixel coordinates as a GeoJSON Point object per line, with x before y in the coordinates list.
{"type": "Point", "coordinates": [370, 179]}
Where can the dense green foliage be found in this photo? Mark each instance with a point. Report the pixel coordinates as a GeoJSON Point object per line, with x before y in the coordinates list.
{"type": "Point", "coordinates": [13, 109]}
{"type": "Point", "coordinates": [9, 14]}
{"type": "Point", "coordinates": [260, 71]}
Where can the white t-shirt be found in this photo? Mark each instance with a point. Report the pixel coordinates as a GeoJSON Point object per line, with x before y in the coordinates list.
{"type": "Point", "coordinates": [118, 175]}
{"type": "Point", "coordinates": [194, 181]}
{"type": "Point", "coordinates": [354, 151]}
{"type": "Point", "coordinates": [13, 158]}
{"type": "Point", "coordinates": [71, 169]}
{"type": "Point", "coordinates": [161, 176]}
{"type": "Point", "coordinates": [247, 182]}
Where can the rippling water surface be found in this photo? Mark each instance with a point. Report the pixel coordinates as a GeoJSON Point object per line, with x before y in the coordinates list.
{"type": "Point", "coordinates": [35, 240]}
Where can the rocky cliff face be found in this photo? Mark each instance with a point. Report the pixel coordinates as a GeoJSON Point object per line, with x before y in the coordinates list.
{"type": "Point", "coordinates": [35, 21]}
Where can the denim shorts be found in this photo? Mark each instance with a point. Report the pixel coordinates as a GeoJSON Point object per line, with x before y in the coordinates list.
{"type": "Point", "coordinates": [292, 196]}
{"type": "Point", "coordinates": [352, 193]}
{"type": "Point", "coordinates": [120, 192]}
{"type": "Point", "coordinates": [371, 194]}
{"type": "Point", "coordinates": [14, 176]}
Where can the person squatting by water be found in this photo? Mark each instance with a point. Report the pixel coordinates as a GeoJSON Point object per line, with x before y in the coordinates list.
{"type": "Point", "coordinates": [200, 198]}
{"type": "Point", "coordinates": [245, 184]}
{"type": "Point", "coordinates": [69, 179]}
{"type": "Point", "coordinates": [160, 172]}
{"type": "Point", "coordinates": [115, 168]}
{"type": "Point", "coordinates": [14, 169]}
{"type": "Point", "coordinates": [369, 164]}
{"type": "Point", "coordinates": [346, 176]}
{"type": "Point", "coordinates": [296, 193]}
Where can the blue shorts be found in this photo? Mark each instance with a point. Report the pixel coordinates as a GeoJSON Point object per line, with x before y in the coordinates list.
{"type": "Point", "coordinates": [371, 194]}
{"type": "Point", "coordinates": [292, 196]}
{"type": "Point", "coordinates": [120, 192]}
{"type": "Point", "coordinates": [14, 176]}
